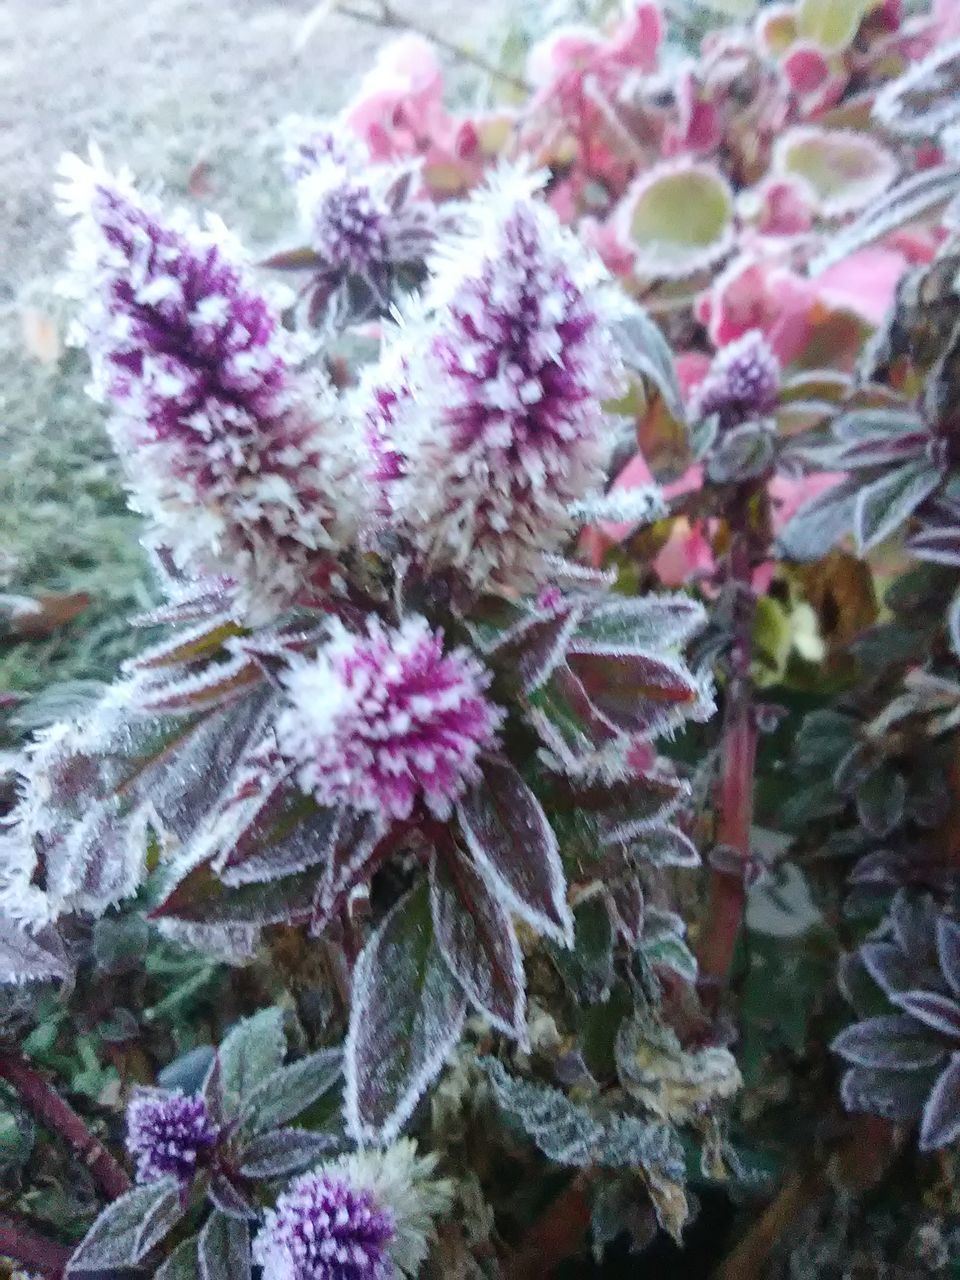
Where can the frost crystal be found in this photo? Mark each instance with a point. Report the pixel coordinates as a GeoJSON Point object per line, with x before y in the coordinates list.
{"type": "Point", "coordinates": [742, 384]}
{"type": "Point", "coordinates": [169, 1134]}
{"type": "Point", "coordinates": [377, 719]}
{"type": "Point", "coordinates": [503, 427]}
{"type": "Point", "coordinates": [362, 1217]}
{"type": "Point", "coordinates": [229, 450]}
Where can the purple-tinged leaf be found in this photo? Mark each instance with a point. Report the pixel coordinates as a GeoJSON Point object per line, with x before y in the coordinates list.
{"type": "Point", "coordinates": [937, 544]}
{"type": "Point", "coordinates": [215, 685]}
{"type": "Point", "coordinates": [953, 624]}
{"type": "Point", "coordinates": [820, 523]}
{"type": "Point", "coordinates": [27, 959]}
{"type": "Point", "coordinates": [883, 505]}
{"type": "Point", "coordinates": [289, 1091]}
{"type": "Point", "coordinates": [895, 1095]}
{"type": "Point", "coordinates": [302, 259]}
{"type": "Point", "coordinates": [941, 1115]}
{"type": "Point", "coordinates": [199, 897]}
{"type": "Point", "coordinates": [640, 622]}
{"type": "Point", "coordinates": [208, 599]}
{"type": "Point", "coordinates": [566, 721]}
{"type": "Point", "coordinates": [514, 846]}
{"type": "Point", "coordinates": [228, 1198]}
{"type": "Point", "coordinates": [119, 1237]}
{"type": "Point", "coordinates": [632, 809]}
{"type": "Point", "coordinates": [536, 646]}
{"type": "Point", "coordinates": [880, 800]}
{"type": "Point", "coordinates": [353, 854]}
{"type": "Point", "coordinates": [478, 941]}
{"type": "Point", "coordinates": [892, 1042]}
{"type": "Point", "coordinates": [855, 455]}
{"type": "Point", "coordinates": [633, 690]}
{"type": "Point", "coordinates": [665, 847]}
{"type": "Point", "coordinates": [273, 834]}
{"type": "Point", "coordinates": [406, 1015]}
{"type": "Point", "coordinates": [224, 1249]}
{"type": "Point", "coordinates": [914, 921]}
{"type": "Point", "coordinates": [930, 1007]}
{"type": "Point", "coordinates": [284, 1152]}
{"type": "Point", "coordinates": [888, 966]}
{"type": "Point", "coordinates": [948, 952]}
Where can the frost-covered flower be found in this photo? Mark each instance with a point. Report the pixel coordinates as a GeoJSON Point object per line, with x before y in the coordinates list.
{"type": "Point", "coordinates": [349, 220]}
{"type": "Point", "coordinates": [366, 1216]}
{"type": "Point", "coordinates": [380, 718]}
{"type": "Point", "coordinates": [502, 426]}
{"type": "Point", "coordinates": [236, 457]}
{"type": "Point", "coordinates": [169, 1134]}
{"type": "Point", "coordinates": [742, 383]}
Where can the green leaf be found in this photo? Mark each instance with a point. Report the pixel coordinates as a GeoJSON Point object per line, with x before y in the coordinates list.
{"type": "Point", "coordinates": [128, 1229]}
{"type": "Point", "coordinates": [183, 1263]}
{"type": "Point", "coordinates": [253, 1050]}
{"type": "Point", "coordinates": [679, 218]}
{"type": "Point", "coordinates": [587, 967]}
{"type": "Point", "coordinates": [289, 1091]}
{"type": "Point", "coordinates": [843, 170]}
{"type": "Point", "coordinates": [224, 1249]}
{"type": "Point", "coordinates": [831, 24]}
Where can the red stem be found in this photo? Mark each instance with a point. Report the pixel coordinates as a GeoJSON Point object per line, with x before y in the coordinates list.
{"type": "Point", "coordinates": [33, 1251]}
{"type": "Point", "coordinates": [738, 754]}
{"type": "Point", "coordinates": [40, 1096]}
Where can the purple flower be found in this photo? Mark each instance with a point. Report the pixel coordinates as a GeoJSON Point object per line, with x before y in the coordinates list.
{"type": "Point", "coordinates": [349, 221]}
{"type": "Point", "coordinates": [227, 448]}
{"type": "Point", "coordinates": [505, 428]}
{"type": "Point", "coordinates": [378, 719]}
{"type": "Point", "coordinates": [169, 1134]}
{"type": "Point", "coordinates": [324, 1228]}
{"type": "Point", "coordinates": [742, 384]}
{"type": "Point", "coordinates": [311, 144]}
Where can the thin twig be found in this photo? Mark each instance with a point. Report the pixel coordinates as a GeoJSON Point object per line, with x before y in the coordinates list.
{"type": "Point", "coordinates": [31, 1250]}
{"type": "Point", "coordinates": [387, 17]}
{"type": "Point", "coordinates": [46, 1104]}
{"type": "Point", "coordinates": [738, 753]}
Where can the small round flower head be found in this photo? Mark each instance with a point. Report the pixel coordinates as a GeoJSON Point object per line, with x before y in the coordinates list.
{"type": "Point", "coordinates": [504, 427]}
{"type": "Point", "coordinates": [378, 719]}
{"type": "Point", "coordinates": [742, 384]}
{"type": "Point", "coordinates": [311, 144]}
{"type": "Point", "coordinates": [228, 450]}
{"type": "Point", "coordinates": [169, 1134]}
{"type": "Point", "coordinates": [365, 1216]}
{"type": "Point", "coordinates": [348, 219]}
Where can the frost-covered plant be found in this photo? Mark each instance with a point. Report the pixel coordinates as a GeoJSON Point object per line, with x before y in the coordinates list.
{"type": "Point", "coordinates": [456, 547]}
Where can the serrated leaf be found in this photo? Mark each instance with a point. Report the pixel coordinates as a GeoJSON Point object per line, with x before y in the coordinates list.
{"type": "Point", "coordinates": [25, 959]}
{"type": "Point", "coordinates": [890, 1042]}
{"type": "Point", "coordinates": [514, 846]}
{"type": "Point", "coordinates": [634, 690]}
{"type": "Point", "coordinates": [941, 1115]}
{"type": "Point", "coordinates": [224, 1249]}
{"type": "Point", "coordinates": [631, 1143]}
{"type": "Point", "coordinates": [283, 1152]}
{"type": "Point", "coordinates": [478, 942]}
{"type": "Point", "coordinates": [202, 898]}
{"type": "Point", "coordinates": [406, 1015]}
{"type": "Point", "coordinates": [290, 1090]}
{"type": "Point", "coordinates": [882, 506]}
{"type": "Point", "coordinates": [129, 1228]}
{"type": "Point", "coordinates": [253, 1050]}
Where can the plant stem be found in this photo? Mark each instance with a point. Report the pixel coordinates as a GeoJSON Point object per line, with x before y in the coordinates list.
{"type": "Point", "coordinates": [738, 753]}
{"type": "Point", "coordinates": [556, 1236]}
{"type": "Point", "coordinates": [385, 16]}
{"type": "Point", "coordinates": [31, 1250]}
{"type": "Point", "coordinates": [46, 1104]}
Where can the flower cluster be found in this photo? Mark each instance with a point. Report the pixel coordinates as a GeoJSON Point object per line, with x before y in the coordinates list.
{"type": "Point", "coordinates": [236, 458]}
{"type": "Point", "coordinates": [169, 1134]}
{"type": "Point", "coordinates": [742, 383]}
{"type": "Point", "coordinates": [379, 720]}
{"type": "Point", "coordinates": [498, 410]}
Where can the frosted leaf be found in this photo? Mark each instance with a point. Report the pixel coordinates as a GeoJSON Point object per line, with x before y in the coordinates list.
{"type": "Point", "coordinates": [892, 1041]}
{"type": "Point", "coordinates": [642, 505]}
{"type": "Point", "coordinates": [643, 622]}
{"type": "Point", "coordinates": [536, 645]}
{"type": "Point", "coordinates": [646, 351]}
{"type": "Point", "coordinates": [199, 641]}
{"type": "Point", "coordinates": [273, 835]}
{"type": "Point", "coordinates": [895, 1095]}
{"type": "Point", "coordinates": [406, 1015]}
{"type": "Point", "coordinates": [358, 836]}
{"type": "Point", "coordinates": [632, 809]}
{"type": "Point", "coordinates": [226, 943]}
{"type": "Point", "coordinates": [196, 897]}
{"type": "Point", "coordinates": [666, 847]}
{"type": "Point", "coordinates": [925, 99]}
{"type": "Point", "coordinates": [290, 1090]}
{"type": "Point", "coordinates": [182, 1264]}
{"type": "Point", "coordinates": [283, 1152]}
{"type": "Point", "coordinates": [478, 942]}
{"type": "Point", "coordinates": [254, 1049]}
{"type": "Point", "coordinates": [224, 1249]}
{"type": "Point", "coordinates": [638, 692]}
{"type": "Point", "coordinates": [515, 849]}
{"type": "Point", "coordinates": [631, 1143]}
{"type": "Point", "coordinates": [882, 506]}
{"type": "Point", "coordinates": [24, 958]}
{"type": "Point", "coordinates": [216, 684]}
{"type": "Point", "coordinates": [563, 1131]}
{"type": "Point", "coordinates": [128, 1229]}
{"type": "Point", "coordinates": [820, 523]}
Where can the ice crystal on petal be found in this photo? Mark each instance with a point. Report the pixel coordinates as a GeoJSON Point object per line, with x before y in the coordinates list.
{"type": "Point", "coordinates": [234, 455]}
{"type": "Point", "coordinates": [168, 1134]}
{"type": "Point", "coordinates": [364, 1216]}
{"type": "Point", "coordinates": [742, 384]}
{"type": "Point", "coordinates": [347, 219]}
{"type": "Point", "coordinates": [380, 718]}
{"type": "Point", "coordinates": [503, 427]}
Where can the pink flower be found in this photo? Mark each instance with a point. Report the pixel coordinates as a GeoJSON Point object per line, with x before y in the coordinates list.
{"type": "Point", "coordinates": [379, 720]}
{"type": "Point", "coordinates": [864, 282]}
{"type": "Point", "coordinates": [399, 106]}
